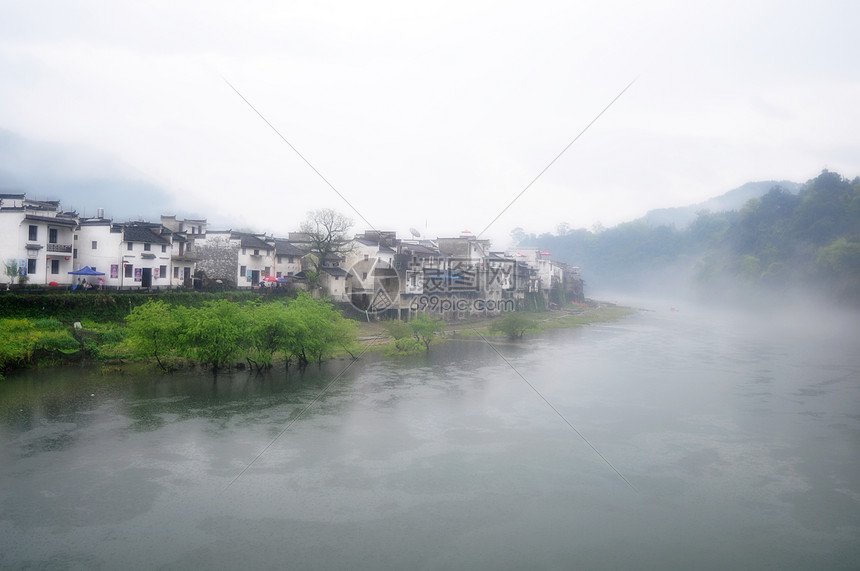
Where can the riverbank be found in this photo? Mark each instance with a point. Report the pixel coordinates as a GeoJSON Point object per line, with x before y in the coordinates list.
{"type": "Point", "coordinates": [148, 339]}
{"type": "Point", "coordinates": [373, 336]}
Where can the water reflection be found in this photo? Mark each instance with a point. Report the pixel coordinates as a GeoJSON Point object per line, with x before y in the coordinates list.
{"type": "Point", "coordinates": [744, 445]}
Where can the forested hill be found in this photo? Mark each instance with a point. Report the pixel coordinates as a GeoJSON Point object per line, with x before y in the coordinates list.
{"type": "Point", "coordinates": [781, 241]}
{"type": "Point", "coordinates": [682, 216]}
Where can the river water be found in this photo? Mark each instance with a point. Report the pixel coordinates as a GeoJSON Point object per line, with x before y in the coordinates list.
{"type": "Point", "coordinates": [685, 439]}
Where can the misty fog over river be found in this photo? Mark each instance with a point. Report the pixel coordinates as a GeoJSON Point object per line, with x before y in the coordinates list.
{"type": "Point", "coordinates": [738, 433]}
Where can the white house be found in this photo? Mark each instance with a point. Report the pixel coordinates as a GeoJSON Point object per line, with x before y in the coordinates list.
{"type": "Point", "coordinates": [373, 278]}
{"type": "Point", "coordinates": [130, 254]}
{"type": "Point", "coordinates": [36, 240]}
{"type": "Point", "coordinates": [238, 258]}
{"type": "Point", "coordinates": [288, 258]}
{"type": "Point", "coordinates": [335, 283]}
{"type": "Point", "coordinates": [547, 272]}
{"type": "Point", "coordinates": [416, 257]}
{"type": "Point", "coordinates": [183, 258]}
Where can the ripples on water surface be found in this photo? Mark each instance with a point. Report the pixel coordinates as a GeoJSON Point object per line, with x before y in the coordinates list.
{"type": "Point", "coordinates": [741, 437]}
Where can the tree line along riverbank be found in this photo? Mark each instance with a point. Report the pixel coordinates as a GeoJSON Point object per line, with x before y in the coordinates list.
{"type": "Point", "coordinates": [173, 330]}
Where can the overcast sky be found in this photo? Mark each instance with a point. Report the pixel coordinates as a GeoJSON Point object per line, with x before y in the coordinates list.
{"type": "Point", "coordinates": [436, 115]}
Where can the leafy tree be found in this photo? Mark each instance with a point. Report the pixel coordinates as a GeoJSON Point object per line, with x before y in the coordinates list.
{"type": "Point", "coordinates": [153, 330]}
{"type": "Point", "coordinates": [840, 256]}
{"type": "Point", "coordinates": [514, 325]}
{"type": "Point", "coordinates": [271, 330]}
{"type": "Point", "coordinates": [425, 328]}
{"type": "Point", "coordinates": [709, 229]}
{"type": "Point", "coordinates": [840, 262]}
{"type": "Point", "coordinates": [827, 210]}
{"type": "Point", "coordinates": [518, 235]}
{"type": "Point", "coordinates": [402, 334]}
{"type": "Point", "coordinates": [320, 330]}
{"type": "Point", "coordinates": [11, 270]}
{"type": "Point", "coordinates": [750, 267]}
{"type": "Point", "coordinates": [214, 335]}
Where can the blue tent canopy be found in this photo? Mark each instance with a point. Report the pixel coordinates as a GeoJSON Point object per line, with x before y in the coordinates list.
{"type": "Point", "coordinates": [86, 271]}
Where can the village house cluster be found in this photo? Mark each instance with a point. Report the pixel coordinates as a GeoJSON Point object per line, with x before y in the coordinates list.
{"type": "Point", "coordinates": [378, 272]}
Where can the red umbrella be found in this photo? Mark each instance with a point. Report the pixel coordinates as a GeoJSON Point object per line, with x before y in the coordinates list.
{"type": "Point", "coordinates": [270, 279]}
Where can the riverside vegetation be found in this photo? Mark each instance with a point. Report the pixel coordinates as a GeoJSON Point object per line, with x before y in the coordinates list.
{"type": "Point", "coordinates": [172, 330]}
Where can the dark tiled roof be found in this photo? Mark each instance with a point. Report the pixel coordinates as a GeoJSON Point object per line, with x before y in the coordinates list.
{"type": "Point", "coordinates": [251, 241]}
{"type": "Point", "coordinates": [136, 233]}
{"type": "Point", "coordinates": [287, 248]}
{"type": "Point", "coordinates": [334, 271]}
{"type": "Point", "coordinates": [43, 204]}
{"type": "Point", "coordinates": [51, 220]}
{"type": "Point", "coordinates": [419, 250]}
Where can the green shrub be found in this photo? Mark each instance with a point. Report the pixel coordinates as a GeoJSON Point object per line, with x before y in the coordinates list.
{"type": "Point", "coordinates": [59, 341]}
{"type": "Point", "coordinates": [48, 324]}
{"type": "Point", "coordinates": [425, 328]}
{"type": "Point", "coordinates": [514, 325]}
{"type": "Point", "coordinates": [22, 339]}
{"type": "Point", "coordinates": [18, 338]}
{"type": "Point", "coordinates": [153, 330]}
{"type": "Point", "coordinates": [397, 329]}
{"type": "Point", "coordinates": [407, 345]}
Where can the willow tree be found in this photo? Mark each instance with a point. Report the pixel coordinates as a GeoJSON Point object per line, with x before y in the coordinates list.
{"type": "Point", "coordinates": [321, 330]}
{"type": "Point", "coordinates": [154, 329]}
{"type": "Point", "coordinates": [214, 335]}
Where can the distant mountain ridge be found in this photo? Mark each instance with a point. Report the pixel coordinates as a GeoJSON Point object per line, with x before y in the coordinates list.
{"type": "Point", "coordinates": [682, 216]}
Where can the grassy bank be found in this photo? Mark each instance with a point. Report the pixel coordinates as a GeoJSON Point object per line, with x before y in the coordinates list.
{"type": "Point", "coordinates": [170, 331]}
{"type": "Point", "coordinates": [374, 336]}
{"type": "Point", "coordinates": [221, 332]}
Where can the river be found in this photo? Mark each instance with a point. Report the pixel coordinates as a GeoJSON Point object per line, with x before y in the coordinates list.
{"type": "Point", "coordinates": [673, 439]}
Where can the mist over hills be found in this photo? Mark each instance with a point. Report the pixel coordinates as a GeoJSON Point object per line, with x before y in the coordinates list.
{"type": "Point", "coordinates": [81, 179]}
{"type": "Point", "coordinates": [781, 242]}
{"type": "Point", "coordinates": [683, 216]}
{"type": "Point", "coordinates": [85, 180]}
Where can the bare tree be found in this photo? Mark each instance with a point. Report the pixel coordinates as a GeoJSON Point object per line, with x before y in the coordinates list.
{"type": "Point", "coordinates": [326, 234]}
